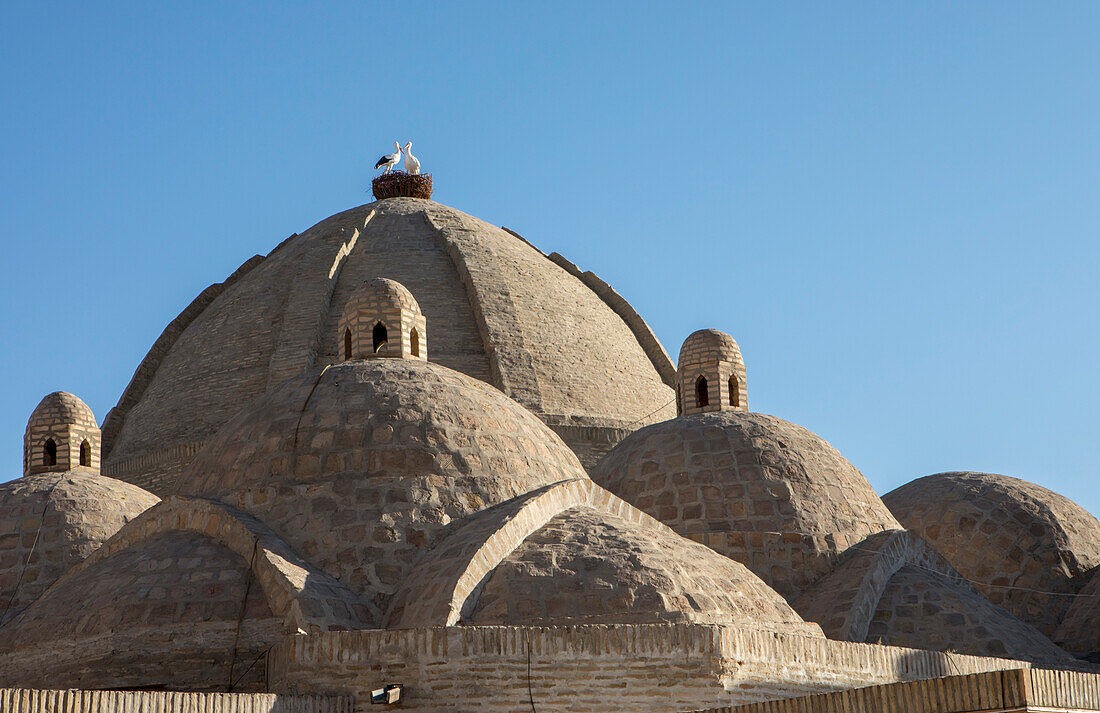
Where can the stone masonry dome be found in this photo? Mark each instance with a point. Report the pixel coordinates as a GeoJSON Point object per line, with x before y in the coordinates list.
{"type": "Point", "coordinates": [362, 464]}
{"type": "Point", "coordinates": [62, 433]}
{"type": "Point", "coordinates": [756, 488]}
{"type": "Point", "coordinates": [1007, 536]}
{"type": "Point", "coordinates": [550, 336]}
{"type": "Point", "coordinates": [51, 521]}
{"type": "Point", "coordinates": [709, 340]}
{"type": "Point", "coordinates": [392, 293]}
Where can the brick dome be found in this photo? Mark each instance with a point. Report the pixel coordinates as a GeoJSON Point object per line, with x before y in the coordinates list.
{"type": "Point", "coordinates": [62, 433]}
{"type": "Point", "coordinates": [390, 292]}
{"type": "Point", "coordinates": [1002, 532]}
{"type": "Point", "coordinates": [554, 338]}
{"type": "Point", "coordinates": [57, 519]}
{"type": "Point", "coordinates": [362, 464]}
{"type": "Point", "coordinates": [759, 489]}
{"type": "Point", "coordinates": [589, 567]}
{"type": "Point", "coordinates": [709, 341]}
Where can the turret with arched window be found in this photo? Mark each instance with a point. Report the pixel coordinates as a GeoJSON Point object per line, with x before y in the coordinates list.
{"type": "Point", "coordinates": [382, 320]}
{"type": "Point", "coordinates": [711, 374]}
{"type": "Point", "coordinates": [61, 434]}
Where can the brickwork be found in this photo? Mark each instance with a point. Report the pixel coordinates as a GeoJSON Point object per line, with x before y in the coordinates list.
{"type": "Point", "coordinates": [1079, 632]}
{"type": "Point", "coordinates": [178, 612]}
{"type": "Point", "coordinates": [61, 434]}
{"type": "Point", "coordinates": [994, 691]}
{"type": "Point", "coordinates": [582, 363]}
{"type": "Point", "coordinates": [585, 566]}
{"type": "Point", "coordinates": [653, 668]}
{"type": "Point", "coordinates": [763, 491]}
{"type": "Point", "coordinates": [844, 601]}
{"type": "Point", "coordinates": [921, 610]}
{"type": "Point", "coordinates": [386, 303]}
{"type": "Point", "coordinates": [51, 521]}
{"type": "Point", "coordinates": [31, 700]}
{"type": "Point", "coordinates": [1012, 539]}
{"type": "Point", "coordinates": [364, 464]}
{"type": "Point", "coordinates": [710, 374]}
{"type": "Point", "coordinates": [447, 582]}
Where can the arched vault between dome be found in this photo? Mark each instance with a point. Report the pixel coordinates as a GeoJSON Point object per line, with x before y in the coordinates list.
{"type": "Point", "coordinates": [443, 586]}
{"type": "Point", "coordinates": [299, 594]}
{"type": "Point", "coordinates": [844, 602]}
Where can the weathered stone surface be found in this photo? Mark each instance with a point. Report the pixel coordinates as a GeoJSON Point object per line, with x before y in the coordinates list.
{"type": "Point", "coordinates": [756, 488]}
{"type": "Point", "coordinates": [51, 521]}
{"type": "Point", "coordinates": [361, 465]}
{"type": "Point", "coordinates": [499, 310]}
{"type": "Point", "coordinates": [584, 566]}
{"type": "Point", "coordinates": [919, 609]}
{"type": "Point", "coordinates": [1079, 632]}
{"type": "Point", "coordinates": [1021, 545]}
{"type": "Point", "coordinates": [179, 612]}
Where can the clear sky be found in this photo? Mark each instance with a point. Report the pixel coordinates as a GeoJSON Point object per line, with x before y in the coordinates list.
{"type": "Point", "coordinates": [892, 206]}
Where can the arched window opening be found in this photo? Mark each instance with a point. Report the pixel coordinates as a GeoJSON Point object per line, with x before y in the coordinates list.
{"type": "Point", "coordinates": [347, 344]}
{"type": "Point", "coordinates": [735, 392]}
{"type": "Point", "coordinates": [49, 455]}
{"type": "Point", "coordinates": [86, 454]}
{"type": "Point", "coordinates": [381, 336]}
{"type": "Point", "coordinates": [679, 401]}
{"type": "Point", "coordinates": [414, 342]}
{"type": "Point", "coordinates": [702, 397]}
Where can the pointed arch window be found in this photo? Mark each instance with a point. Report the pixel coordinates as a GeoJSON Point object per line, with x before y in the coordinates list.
{"type": "Point", "coordinates": [735, 392]}
{"type": "Point", "coordinates": [49, 452]}
{"type": "Point", "coordinates": [414, 342]}
{"type": "Point", "coordinates": [86, 454]}
{"type": "Point", "coordinates": [702, 395]}
{"type": "Point", "coordinates": [380, 336]}
{"type": "Point", "coordinates": [347, 344]}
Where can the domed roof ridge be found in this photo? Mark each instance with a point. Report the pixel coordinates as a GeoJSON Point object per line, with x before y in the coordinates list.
{"type": "Point", "coordinates": [710, 341]}
{"type": "Point", "coordinates": [498, 309]}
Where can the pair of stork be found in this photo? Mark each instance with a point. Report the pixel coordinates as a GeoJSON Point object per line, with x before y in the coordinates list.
{"type": "Point", "coordinates": [412, 164]}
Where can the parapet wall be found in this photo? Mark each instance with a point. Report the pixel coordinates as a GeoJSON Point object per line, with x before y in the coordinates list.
{"type": "Point", "coordinates": [32, 700]}
{"type": "Point", "coordinates": [614, 668]}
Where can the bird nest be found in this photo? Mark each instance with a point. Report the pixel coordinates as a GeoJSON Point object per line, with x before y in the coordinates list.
{"type": "Point", "coordinates": [398, 184]}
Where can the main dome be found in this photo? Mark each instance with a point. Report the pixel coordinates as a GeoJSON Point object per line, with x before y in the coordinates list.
{"type": "Point", "coordinates": [559, 341]}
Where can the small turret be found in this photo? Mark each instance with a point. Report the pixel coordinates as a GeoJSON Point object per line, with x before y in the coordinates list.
{"type": "Point", "coordinates": [382, 321]}
{"type": "Point", "coordinates": [61, 434]}
{"type": "Point", "coordinates": [710, 375]}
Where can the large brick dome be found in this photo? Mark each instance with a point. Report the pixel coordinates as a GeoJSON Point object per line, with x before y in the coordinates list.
{"type": "Point", "coordinates": [757, 488]}
{"type": "Point", "coordinates": [1014, 540]}
{"type": "Point", "coordinates": [51, 521]}
{"type": "Point", "coordinates": [362, 464]}
{"type": "Point", "coordinates": [557, 340]}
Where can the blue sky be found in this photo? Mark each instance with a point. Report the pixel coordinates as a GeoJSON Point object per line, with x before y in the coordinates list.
{"type": "Point", "coordinates": [892, 206]}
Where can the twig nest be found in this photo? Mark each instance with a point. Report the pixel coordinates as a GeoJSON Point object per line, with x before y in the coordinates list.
{"type": "Point", "coordinates": [399, 184]}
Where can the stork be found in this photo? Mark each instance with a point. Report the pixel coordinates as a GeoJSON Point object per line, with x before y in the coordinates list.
{"type": "Point", "coordinates": [412, 163]}
{"type": "Point", "coordinates": [389, 160]}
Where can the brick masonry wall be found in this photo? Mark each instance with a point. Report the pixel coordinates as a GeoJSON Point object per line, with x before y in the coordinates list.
{"type": "Point", "coordinates": [32, 700]}
{"type": "Point", "coordinates": [1015, 690]}
{"type": "Point", "coordinates": [652, 668]}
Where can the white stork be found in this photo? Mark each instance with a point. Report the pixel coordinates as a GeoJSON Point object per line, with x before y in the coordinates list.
{"type": "Point", "coordinates": [389, 160]}
{"type": "Point", "coordinates": [412, 163]}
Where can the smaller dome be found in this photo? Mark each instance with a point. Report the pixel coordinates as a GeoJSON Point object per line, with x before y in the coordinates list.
{"type": "Point", "coordinates": [51, 521]}
{"type": "Point", "coordinates": [768, 493]}
{"type": "Point", "coordinates": [61, 407]}
{"type": "Point", "coordinates": [389, 292]}
{"type": "Point", "coordinates": [61, 434]}
{"type": "Point", "coordinates": [707, 343]}
{"type": "Point", "coordinates": [1021, 545]}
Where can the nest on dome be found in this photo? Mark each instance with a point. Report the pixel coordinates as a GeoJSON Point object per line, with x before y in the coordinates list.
{"type": "Point", "coordinates": [398, 184]}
